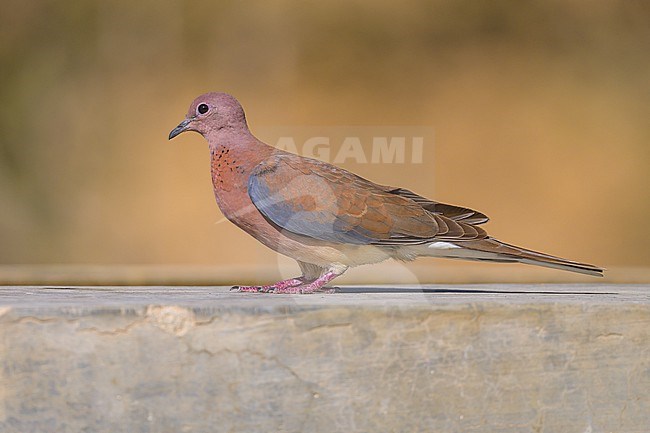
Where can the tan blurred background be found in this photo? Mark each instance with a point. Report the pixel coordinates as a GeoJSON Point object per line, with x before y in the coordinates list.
{"type": "Point", "coordinates": [540, 111]}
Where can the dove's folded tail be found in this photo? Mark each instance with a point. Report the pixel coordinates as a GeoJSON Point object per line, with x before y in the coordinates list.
{"type": "Point", "coordinates": [493, 250]}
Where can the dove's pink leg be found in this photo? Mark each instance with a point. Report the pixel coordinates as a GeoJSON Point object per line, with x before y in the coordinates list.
{"type": "Point", "coordinates": [270, 287]}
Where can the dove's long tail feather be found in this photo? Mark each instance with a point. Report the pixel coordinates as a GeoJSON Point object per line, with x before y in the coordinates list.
{"type": "Point", "coordinates": [493, 250]}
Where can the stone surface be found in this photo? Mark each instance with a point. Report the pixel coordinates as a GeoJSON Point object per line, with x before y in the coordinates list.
{"type": "Point", "coordinates": [484, 358]}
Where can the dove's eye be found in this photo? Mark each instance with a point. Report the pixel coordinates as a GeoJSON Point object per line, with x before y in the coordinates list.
{"type": "Point", "coordinates": [202, 108]}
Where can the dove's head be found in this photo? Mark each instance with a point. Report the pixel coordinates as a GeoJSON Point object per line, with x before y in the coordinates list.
{"type": "Point", "coordinates": [212, 112]}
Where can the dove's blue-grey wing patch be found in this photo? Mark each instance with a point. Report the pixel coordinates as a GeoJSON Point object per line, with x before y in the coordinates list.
{"type": "Point", "coordinates": [300, 203]}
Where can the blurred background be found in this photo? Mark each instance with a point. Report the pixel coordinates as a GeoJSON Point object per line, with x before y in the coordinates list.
{"type": "Point", "coordinates": [540, 111]}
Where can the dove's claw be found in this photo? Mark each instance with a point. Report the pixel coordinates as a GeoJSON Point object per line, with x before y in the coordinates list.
{"type": "Point", "coordinates": [245, 288]}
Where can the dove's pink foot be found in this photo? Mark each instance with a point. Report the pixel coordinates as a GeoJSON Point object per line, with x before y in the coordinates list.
{"type": "Point", "coordinates": [318, 285]}
{"type": "Point", "coordinates": [270, 288]}
{"type": "Point", "coordinates": [293, 285]}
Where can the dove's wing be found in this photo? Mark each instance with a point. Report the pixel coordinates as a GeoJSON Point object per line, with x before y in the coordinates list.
{"type": "Point", "coordinates": [315, 199]}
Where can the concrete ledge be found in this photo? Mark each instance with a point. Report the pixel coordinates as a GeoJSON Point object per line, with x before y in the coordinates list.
{"type": "Point", "coordinates": [485, 358]}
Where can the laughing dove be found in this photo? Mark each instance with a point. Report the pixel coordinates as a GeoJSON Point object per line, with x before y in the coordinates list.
{"type": "Point", "coordinates": [329, 219]}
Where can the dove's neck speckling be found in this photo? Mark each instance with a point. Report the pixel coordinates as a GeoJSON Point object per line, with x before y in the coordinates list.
{"type": "Point", "coordinates": [233, 157]}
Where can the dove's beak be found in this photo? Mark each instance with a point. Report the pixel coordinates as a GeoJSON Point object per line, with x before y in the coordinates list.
{"type": "Point", "coordinates": [182, 127]}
